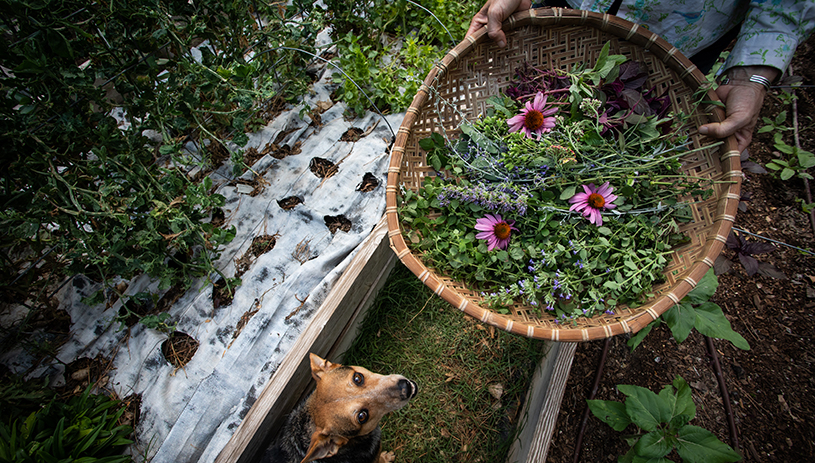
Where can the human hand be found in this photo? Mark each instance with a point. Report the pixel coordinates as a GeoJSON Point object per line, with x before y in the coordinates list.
{"type": "Point", "coordinates": [742, 100]}
{"type": "Point", "coordinates": [492, 14]}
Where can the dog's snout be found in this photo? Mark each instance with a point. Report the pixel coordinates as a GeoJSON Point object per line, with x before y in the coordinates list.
{"type": "Point", "coordinates": [407, 389]}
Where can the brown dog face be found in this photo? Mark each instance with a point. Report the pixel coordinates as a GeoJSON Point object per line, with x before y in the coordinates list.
{"type": "Point", "coordinates": [349, 402]}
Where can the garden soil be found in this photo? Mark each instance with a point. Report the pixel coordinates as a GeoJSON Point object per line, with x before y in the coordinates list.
{"type": "Point", "coordinates": [770, 386]}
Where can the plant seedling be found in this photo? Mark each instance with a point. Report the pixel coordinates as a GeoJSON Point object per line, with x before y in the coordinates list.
{"type": "Point", "coordinates": [662, 424]}
{"type": "Point", "coordinates": [696, 311]}
{"type": "Point", "coordinates": [745, 250]}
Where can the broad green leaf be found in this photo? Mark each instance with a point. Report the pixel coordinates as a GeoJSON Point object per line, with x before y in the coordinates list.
{"type": "Point", "coordinates": [787, 173]}
{"type": "Point", "coordinates": [479, 138]}
{"type": "Point", "coordinates": [680, 319]}
{"type": "Point", "coordinates": [684, 400]}
{"type": "Point", "coordinates": [698, 445]}
{"type": "Point", "coordinates": [602, 58]}
{"type": "Point", "coordinates": [568, 192]}
{"type": "Point", "coordinates": [637, 459]}
{"type": "Point", "coordinates": [611, 413]}
{"type": "Point", "coordinates": [710, 321]}
{"type": "Point", "coordinates": [704, 289]}
{"type": "Point", "coordinates": [654, 445]}
{"type": "Point", "coordinates": [646, 409]}
{"type": "Point", "coordinates": [637, 338]}
{"type": "Point", "coordinates": [806, 159]}
{"type": "Point", "coordinates": [427, 144]}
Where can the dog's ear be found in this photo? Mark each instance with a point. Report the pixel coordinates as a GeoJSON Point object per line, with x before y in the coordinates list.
{"type": "Point", "coordinates": [323, 445]}
{"type": "Point", "coordinates": [319, 366]}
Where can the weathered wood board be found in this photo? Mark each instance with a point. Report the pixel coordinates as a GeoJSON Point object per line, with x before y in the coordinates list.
{"type": "Point", "coordinates": [333, 329]}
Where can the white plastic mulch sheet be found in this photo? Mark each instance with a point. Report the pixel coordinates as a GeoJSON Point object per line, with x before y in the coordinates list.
{"type": "Point", "coordinates": [189, 414]}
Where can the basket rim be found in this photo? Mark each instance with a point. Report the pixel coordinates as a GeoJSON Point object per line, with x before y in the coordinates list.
{"type": "Point", "coordinates": [600, 327]}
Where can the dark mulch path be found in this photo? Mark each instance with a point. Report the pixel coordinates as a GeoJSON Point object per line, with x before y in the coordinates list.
{"type": "Point", "coordinates": [771, 386]}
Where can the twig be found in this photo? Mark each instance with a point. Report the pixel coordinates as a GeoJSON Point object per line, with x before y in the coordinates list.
{"type": "Point", "coordinates": [597, 376]}
{"type": "Point", "coordinates": [807, 190]}
{"type": "Point", "coordinates": [728, 409]}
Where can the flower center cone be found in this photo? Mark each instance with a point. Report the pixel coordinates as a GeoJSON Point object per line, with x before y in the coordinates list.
{"type": "Point", "coordinates": [501, 230]}
{"type": "Point", "coordinates": [596, 200]}
{"type": "Point", "coordinates": [533, 119]}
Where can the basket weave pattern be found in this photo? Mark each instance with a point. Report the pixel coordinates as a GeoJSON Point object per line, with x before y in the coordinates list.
{"type": "Point", "coordinates": [557, 38]}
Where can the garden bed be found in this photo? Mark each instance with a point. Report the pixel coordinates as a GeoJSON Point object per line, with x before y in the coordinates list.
{"type": "Point", "coordinates": [771, 385]}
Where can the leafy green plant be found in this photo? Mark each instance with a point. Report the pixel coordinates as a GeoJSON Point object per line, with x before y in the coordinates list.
{"type": "Point", "coordinates": [366, 35]}
{"type": "Point", "coordinates": [662, 425]}
{"type": "Point", "coordinates": [90, 193]}
{"type": "Point", "coordinates": [83, 429]}
{"type": "Point", "coordinates": [159, 322]}
{"type": "Point", "coordinates": [19, 398]}
{"type": "Point", "coordinates": [696, 311]}
{"type": "Point", "coordinates": [796, 163]}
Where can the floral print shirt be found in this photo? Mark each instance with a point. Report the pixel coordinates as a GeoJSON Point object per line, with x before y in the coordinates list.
{"type": "Point", "coordinates": [771, 31]}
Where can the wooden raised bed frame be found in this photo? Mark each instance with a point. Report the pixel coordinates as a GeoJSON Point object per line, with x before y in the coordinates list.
{"type": "Point", "coordinates": [331, 332]}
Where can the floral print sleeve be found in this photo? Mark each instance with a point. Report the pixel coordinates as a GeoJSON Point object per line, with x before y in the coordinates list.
{"type": "Point", "coordinates": [771, 31]}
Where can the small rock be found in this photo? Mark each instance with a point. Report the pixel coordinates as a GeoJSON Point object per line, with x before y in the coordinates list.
{"type": "Point", "coordinates": [80, 375]}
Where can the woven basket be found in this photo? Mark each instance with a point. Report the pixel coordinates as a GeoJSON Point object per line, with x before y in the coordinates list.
{"type": "Point", "coordinates": [561, 38]}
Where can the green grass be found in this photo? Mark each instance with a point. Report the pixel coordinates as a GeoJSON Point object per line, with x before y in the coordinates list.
{"type": "Point", "coordinates": [456, 361]}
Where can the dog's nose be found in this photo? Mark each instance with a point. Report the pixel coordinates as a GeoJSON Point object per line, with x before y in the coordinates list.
{"type": "Point", "coordinates": [407, 389]}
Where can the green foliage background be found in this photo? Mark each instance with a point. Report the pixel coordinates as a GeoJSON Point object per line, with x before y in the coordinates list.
{"type": "Point", "coordinates": [86, 195]}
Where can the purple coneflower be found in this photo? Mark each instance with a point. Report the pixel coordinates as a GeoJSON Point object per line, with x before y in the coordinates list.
{"type": "Point", "coordinates": [592, 201]}
{"type": "Point", "coordinates": [495, 230]}
{"type": "Point", "coordinates": [534, 118]}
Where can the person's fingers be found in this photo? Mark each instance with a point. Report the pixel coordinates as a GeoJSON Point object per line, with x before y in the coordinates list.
{"type": "Point", "coordinates": [494, 28]}
{"type": "Point", "coordinates": [742, 107]}
{"type": "Point", "coordinates": [479, 21]}
{"type": "Point", "coordinates": [493, 14]}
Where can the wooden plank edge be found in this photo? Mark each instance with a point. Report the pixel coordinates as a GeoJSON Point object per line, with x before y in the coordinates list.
{"type": "Point", "coordinates": [543, 404]}
{"type": "Point", "coordinates": [321, 336]}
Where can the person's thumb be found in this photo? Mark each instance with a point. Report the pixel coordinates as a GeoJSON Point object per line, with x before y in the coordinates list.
{"type": "Point", "coordinates": [722, 129]}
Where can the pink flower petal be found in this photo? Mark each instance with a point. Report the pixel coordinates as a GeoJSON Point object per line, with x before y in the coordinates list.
{"type": "Point", "coordinates": [579, 197]}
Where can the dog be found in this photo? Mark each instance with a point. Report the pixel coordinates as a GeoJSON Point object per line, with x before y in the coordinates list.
{"type": "Point", "coordinates": [339, 421]}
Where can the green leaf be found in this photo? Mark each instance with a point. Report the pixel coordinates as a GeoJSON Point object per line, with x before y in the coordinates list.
{"type": "Point", "coordinates": [710, 321]}
{"type": "Point", "coordinates": [653, 445]}
{"type": "Point", "coordinates": [704, 289]}
{"type": "Point", "coordinates": [479, 138]}
{"type": "Point", "coordinates": [684, 405]}
{"type": "Point", "coordinates": [806, 159]}
{"type": "Point", "coordinates": [787, 173]}
{"type": "Point", "coordinates": [637, 338]}
{"type": "Point", "coordinates": [568, 192]}
{"type": "Point", "coordinates": [680, 319]}
{"type": "Point", "coordinates": [646, 409]}
{"type": "Point", "coordinates": [611, 413]}
{"type": "Point", "coordinates": [698, 445]}
{"type": "Point", "coordinates": [427, 144]}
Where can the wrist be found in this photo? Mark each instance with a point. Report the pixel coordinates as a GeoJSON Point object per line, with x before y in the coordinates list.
{"type": "Point", "coordinates": [751, 75]}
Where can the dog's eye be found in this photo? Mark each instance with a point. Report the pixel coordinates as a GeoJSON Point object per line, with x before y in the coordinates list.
{"type": "Point", "coordinates": [359, 380]}
{"type": "Point", "coordinates": [362, 416]}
